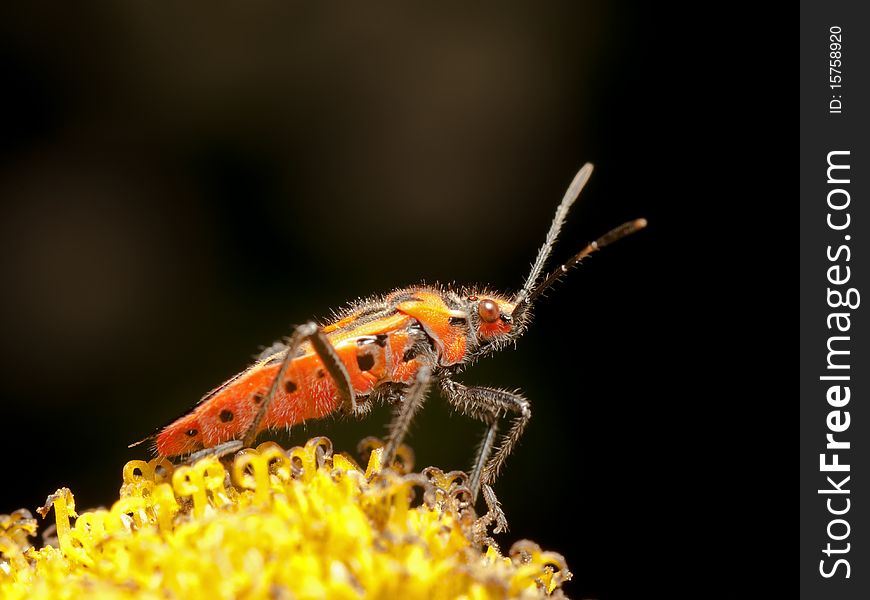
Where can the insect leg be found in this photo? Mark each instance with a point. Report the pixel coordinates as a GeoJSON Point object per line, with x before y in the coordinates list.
{"type": "Point", "coordinates": [218, 451]}
{"type": "Point", "coordinates": [487, 405]}
{"type": "Point", "coordinates": [520, 406]}
{"type": "Point", "coordinates": [335, 368]}
{"type": "Point", "coordinates": [276, 348]}
{"type": "Point", "coordinates": [483, 452]}
{"type": "Point", "coordinates": [326, 353]}
{"type": "Point", "coordinates": [404, 415]}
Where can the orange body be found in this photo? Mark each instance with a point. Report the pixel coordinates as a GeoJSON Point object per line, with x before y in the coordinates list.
{"type": "Point", "coordinates": [380, 342]}
{"type": "Point", "coordinates": [377, 349]}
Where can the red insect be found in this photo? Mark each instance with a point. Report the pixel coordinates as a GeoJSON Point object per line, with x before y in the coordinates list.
{"type": "Point", "coordinates": [392, 348]}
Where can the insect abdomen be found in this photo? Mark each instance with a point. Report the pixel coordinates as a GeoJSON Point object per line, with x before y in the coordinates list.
{"type": "Point", "coordinates": [307, 391]}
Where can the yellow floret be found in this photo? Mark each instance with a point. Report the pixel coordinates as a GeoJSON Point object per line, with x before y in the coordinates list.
{"type": "Point", "coordinates": [301, 523]}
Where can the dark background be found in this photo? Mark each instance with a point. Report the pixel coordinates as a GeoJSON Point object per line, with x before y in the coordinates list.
{"type": "Point", "coordinates": [181, 185]}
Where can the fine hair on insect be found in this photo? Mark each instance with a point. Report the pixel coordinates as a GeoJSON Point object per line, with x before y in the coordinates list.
{"type": "Point", "coordinates": [392, 348]}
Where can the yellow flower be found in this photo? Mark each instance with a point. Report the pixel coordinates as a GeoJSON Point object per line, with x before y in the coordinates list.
{"type": "Point", "coordinates": [302, 523]}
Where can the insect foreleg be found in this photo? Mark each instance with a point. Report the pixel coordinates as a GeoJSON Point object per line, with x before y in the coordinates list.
{"type": "Point", "coordinates": [487, 405]}
{"type": "Point", "coordinates": [409, 406]}
{"type": "Point", "coordinates": [483, 452]}
{"type": "Point", "coordinates": [336, 369]}
{"type": "Point", "coordinates": [520, 406]}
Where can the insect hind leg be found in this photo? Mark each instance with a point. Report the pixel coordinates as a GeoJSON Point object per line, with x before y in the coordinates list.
{"type": "Point", "coordinates": [331, 362]}
{"type": "Point", "coordinates": [274, 350]}
{"type": "Point", "coordinates": [218, 451]}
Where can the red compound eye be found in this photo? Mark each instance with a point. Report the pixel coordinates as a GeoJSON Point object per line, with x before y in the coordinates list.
{"type": "Point", "coordinates": [488, 311]}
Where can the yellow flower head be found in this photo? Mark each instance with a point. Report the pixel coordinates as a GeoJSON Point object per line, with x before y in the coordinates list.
{"type": "Point", "coordinates": [301, 523]}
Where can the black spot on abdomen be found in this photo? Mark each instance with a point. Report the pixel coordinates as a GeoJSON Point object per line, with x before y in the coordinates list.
{"type": "Point", "coordinates": [226, 415]}
{"type": "Point", "coordinates": [365, 361]}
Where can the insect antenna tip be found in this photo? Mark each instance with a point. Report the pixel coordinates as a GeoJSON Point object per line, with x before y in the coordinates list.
{"type": "Point", "coordinates": [142, 441]}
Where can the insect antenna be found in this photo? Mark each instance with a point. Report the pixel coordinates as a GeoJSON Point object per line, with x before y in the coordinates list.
{"type": "Point", "coordinates": [608, 238]}
{"type": "Point", "coordinates": [532, 288]}
{"type": "Point", "coordinates": [143, 440]}
{"type": "Point", "coordinates": [571, 195]}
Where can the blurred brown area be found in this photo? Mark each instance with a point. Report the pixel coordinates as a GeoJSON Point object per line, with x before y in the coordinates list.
{"type": "Point", "coordinates": [179, 184]}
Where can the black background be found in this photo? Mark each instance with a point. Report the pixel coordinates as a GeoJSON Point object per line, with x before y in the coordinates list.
{"type": "Point", "coordinates": [179, 186]}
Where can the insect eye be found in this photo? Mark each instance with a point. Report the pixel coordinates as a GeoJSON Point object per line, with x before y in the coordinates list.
{"type": "Point", "coordinates": [488, 311]}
